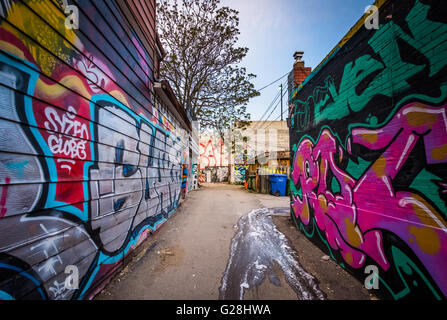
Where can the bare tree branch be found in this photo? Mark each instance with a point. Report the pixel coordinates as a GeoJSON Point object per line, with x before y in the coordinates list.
{"type": "Point", "coordinates": [202, 60]}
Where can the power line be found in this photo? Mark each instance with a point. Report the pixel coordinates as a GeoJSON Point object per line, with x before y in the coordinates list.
{"type": "Point", "coordinates": [272, 112]}
{"type": "Point", "coordinates": [273, 108]}
{"type": "Point", "coordinates": [278, 95]}
{"type": "Point", "coordinates": [277, 118]}
{"type": "Point", "coordinates": [271, 105]}
{"type": "Point", "coordinates": [273, 82]}
{"type": "Point", "coordinates": [268, 109]}
{"type": "Point", "coordinates": [259, 127]}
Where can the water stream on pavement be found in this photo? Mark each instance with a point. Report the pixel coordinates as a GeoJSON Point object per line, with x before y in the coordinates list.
{"type": "Point", "coordinates": [255, 248]}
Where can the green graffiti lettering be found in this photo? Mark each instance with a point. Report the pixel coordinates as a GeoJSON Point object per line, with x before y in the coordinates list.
{"type": "Point", "coordinates": [367, 77]}
{"type": "Point", "coordinates": [428, 37]}
{"type": "Point", "coordinates": [424, 183]}
{"type": "Point", "coordinates": [353, 75]}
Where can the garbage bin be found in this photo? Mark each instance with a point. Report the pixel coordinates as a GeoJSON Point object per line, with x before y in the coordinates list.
{"type": "Point", "coordinates": [278, 183]}
{"type": "Point", "coordinates": [265, 184]}
{"type": "Point", "coordinates": [252, 182]}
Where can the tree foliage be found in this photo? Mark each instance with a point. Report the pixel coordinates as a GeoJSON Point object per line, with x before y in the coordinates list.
{"type": "Point", "coordinates": [202, 60]}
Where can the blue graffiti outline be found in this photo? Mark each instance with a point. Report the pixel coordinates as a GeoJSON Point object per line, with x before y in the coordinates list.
{"type": "Point", "coordinates": [18, 167]}
{"type": "Point", "coordinates": [50, 201]}
{"type": "Point", "coordinates": [25, 274]}
{"type": "Point", "coordinates": [5, 296]}
{"type": "Point", "coordinates": [138, 117]}
{"type": "Point", "coordinates": [104, 259]}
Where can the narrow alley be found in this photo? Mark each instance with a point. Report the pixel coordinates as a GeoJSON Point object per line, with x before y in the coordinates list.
{"type": "Point", "coordinates": [177, 263]}
{"type": "Point", "coordinates": [223, 150]}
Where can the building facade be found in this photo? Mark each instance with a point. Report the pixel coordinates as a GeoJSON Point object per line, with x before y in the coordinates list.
{"type": "Point", "coordinates": [228, 158]}
{"type": "Point", "coordinates": [368, 137]}
{"type": "Point", "coordinates": [266, 150]}
{"type": "Point", "coordinates": [92, 144]}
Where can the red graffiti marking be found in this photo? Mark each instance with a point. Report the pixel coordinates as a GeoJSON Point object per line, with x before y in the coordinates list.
{"type": "Point", "coordinates": [213, 157]}
{"type": "Point", "coordinates": [3, 209]}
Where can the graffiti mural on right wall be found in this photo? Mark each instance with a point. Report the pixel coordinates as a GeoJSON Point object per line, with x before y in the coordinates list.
{"type": "Point", "coordinates": [368, 130]}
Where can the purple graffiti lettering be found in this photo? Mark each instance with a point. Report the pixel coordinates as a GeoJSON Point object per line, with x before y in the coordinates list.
{"type": "Point", "coordinates": [353, 217]}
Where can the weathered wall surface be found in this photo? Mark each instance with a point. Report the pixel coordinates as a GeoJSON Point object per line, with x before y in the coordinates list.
{"type": "Point", "coordinates": [241, 146]}
{"type": "Point", "coordinates": [88, 165]}
{"type": "Point", "coordinates": [214, 159]}
{"type": "Point", "coordinates": [213, 152]}
{"type": "Point", "coordinates": [258, 137]}
{"type": "Point", "coordinates": [240, 167]}
{"type": "Point", "coordinates": [369, 137]}
{"type": "Point", "coordinates": [215, 174]}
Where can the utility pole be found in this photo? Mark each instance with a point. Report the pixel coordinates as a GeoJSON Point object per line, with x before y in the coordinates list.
{"type": "Point", "coordinates": [281, 99]}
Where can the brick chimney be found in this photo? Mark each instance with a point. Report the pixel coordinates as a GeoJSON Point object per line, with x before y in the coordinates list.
{"type": "Point", "coordinates": [300, 72]}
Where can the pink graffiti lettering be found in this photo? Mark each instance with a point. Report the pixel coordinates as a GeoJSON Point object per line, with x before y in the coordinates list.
{"type": "Point", "coordinates": [3, 208]}
{"type": "Point", "coordinates": [91, 68]}
{"type": "Point", "coordinates": [352, 219]}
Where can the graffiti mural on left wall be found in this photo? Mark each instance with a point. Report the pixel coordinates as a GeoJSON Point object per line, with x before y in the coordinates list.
{"type": "Point", "coordinates": [86, 172]}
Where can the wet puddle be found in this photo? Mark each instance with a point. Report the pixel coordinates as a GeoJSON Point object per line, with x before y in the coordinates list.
{"type": "Point", "coordinates": [255, 248]}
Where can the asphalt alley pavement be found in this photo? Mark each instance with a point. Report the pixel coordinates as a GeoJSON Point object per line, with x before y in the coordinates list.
{"type": "Point", "coordinates": [187, 258]}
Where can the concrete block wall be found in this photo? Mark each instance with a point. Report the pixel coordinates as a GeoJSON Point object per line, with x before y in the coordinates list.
{"type": "Point", "coordinates": [369, 142]}
{"type": "Point", "coordinates": [90, 162]}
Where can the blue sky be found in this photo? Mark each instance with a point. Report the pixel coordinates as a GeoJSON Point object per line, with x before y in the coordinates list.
{"type": "Point", "coordinates": [274, 29]}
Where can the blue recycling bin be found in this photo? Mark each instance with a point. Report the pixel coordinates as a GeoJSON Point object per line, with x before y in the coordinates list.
{"type": "Point", "coordinates": [278, 184]}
